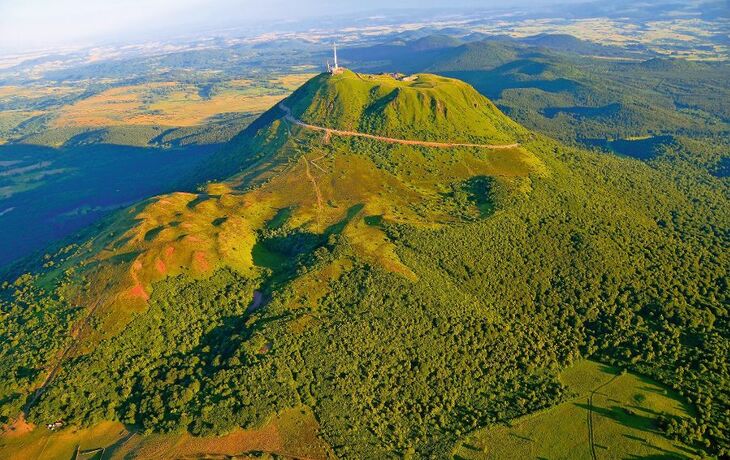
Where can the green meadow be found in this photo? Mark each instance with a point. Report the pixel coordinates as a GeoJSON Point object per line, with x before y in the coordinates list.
{"type": "Point", "coordinates": [609, 414]}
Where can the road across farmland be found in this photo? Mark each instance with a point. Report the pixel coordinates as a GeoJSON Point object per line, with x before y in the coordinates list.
{"type": "Point", "coordinates": [329, 131]}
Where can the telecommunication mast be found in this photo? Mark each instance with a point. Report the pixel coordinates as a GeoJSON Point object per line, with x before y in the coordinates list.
{"type": "Point", "coordinates": [335, 68]}
{"type": "Point", "coordinates": [334, 49]}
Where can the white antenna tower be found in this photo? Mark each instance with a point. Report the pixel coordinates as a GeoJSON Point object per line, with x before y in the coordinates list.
{"type": "Point", "coordinates": [334, 48]}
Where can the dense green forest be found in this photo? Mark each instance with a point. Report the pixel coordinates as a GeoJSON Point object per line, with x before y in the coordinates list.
{"type": "Point", "coordinates": [407, 295]}
{"type": "Point", "coordinates": [484, 329]}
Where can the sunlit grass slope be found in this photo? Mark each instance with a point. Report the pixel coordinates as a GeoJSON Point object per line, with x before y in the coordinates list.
{"type": "Point", "coordinates": [620, 421]}
{"type": "Point", "coordinates": [292, 184]}
{"type": "Point", "coordinates": [420, 107]}
{"type": "Point", "coordinates": [292, 433]}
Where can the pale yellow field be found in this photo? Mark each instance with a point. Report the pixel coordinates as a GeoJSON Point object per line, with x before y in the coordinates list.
{"type": "Point", "coordinates": [174, 104]}
{"type": "Point", "coordinates": [164, 104]}
{"type": "Point", "coordinates": [658, 35]}
{"type": "Point", "coordinates": [292, 82]}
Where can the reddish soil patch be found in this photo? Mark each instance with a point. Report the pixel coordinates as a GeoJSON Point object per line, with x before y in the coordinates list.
{"type": "Point", "coordinates": [200, 261]}
{"type": "Point", "coordinates": [169, 251]}
{"type": "Point", "coordinates": [138, 292]}
{"type": "Point", "coordinates": [160, 266]}
{"type": "Point", "coordinates": [18, 428]}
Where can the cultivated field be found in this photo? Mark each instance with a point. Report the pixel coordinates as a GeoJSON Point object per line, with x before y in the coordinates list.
{"type": "Point", "coordinates": [677, 37]}
{"type": "Point", "coordinates": [13, 92]}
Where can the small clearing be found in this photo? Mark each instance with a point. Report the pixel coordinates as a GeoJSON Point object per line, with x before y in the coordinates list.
{"type": "Point", "coordinates": [611, 415]}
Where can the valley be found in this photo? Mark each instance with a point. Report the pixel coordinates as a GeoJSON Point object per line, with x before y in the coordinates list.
{"type": "Point", "coordinates": [48, 193]}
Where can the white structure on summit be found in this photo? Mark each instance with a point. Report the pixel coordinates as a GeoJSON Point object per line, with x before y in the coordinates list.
{"type": "Point", "coordinates": [336, 68]}
{"type": "Point", "coordinates": [334, 49]}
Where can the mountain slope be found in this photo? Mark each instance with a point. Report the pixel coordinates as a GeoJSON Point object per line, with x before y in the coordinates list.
{"type": "Point", "coordinates": [320, 180]}
{"type": "Point", "coordinates": [404, 294]}
{"type": "Point", "coordinates": [428, 108]}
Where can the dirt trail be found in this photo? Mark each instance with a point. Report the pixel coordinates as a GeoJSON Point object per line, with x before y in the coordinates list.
{"type": "Point", "coordinates": [591, 435]}
{"type": "Point", "coordinates": [317, 192]}
{"type": "Point", "coordinates": [329, 131]}
{"type": "Point", "coordinates": [591, 444]}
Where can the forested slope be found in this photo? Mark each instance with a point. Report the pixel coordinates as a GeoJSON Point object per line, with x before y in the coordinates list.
{"type": "Point", "coordinates": [407, 295]}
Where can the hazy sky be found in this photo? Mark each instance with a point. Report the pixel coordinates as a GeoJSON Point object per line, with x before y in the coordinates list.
{"type": "Point", "coordinates": [50, 23]}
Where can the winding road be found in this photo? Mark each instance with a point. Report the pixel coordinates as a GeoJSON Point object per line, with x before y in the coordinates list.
{"type": "Point", "coordinates": [329, 131]}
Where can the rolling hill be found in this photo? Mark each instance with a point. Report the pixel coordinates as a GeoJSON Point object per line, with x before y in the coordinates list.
{"type": "Point", "coordinates": [387, 298]}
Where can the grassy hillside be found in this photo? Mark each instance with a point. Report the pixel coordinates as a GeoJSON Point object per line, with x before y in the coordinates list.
{"type": "Point", "coordinates": [73, 153]}
{"type": "Point", "coordinates": [405, 295]}
{"type": "Point", "coordinates": [427, 107]}
{"type": "Point", "coordinates": [289, 434]}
